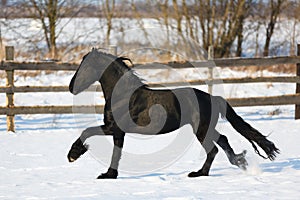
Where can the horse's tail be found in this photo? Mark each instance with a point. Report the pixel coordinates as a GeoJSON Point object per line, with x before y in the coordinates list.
{"type": "Point", "coordinates": [251, 134]}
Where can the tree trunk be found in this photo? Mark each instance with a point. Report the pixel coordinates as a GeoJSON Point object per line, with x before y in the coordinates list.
{"type": "Point", "coordinates": [52, 17]}
{"type": "Point", "coordinates": [240, 32]}
{"type": "Point", "coordinates": [48, 9]}
{"type": "Point", "coordinates": [275, 11]}
{"type": "Point", "coordinates": [178, 17]}
{"type": "Point", "coordinates": [109, 12]}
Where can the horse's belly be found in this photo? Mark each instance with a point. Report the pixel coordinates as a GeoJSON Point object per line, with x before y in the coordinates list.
{"type": "Point", "coordinates": [155, 124]}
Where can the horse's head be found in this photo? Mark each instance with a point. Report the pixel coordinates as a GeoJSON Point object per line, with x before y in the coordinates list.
{"type": "Point", "coordinates": [90, 70]}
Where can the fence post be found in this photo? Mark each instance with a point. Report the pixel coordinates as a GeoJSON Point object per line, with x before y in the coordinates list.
{"type": "Point", "coordinates": [210, 70]}
{"type": "Point", "coordinates": [10, 119]}
{"type": "Point", "coordinates": [297, 109]}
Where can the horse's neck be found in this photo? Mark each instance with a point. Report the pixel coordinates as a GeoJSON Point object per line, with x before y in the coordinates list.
{"type": "Point", "coordinates": [118, 81]}
{"type": "Point", "coordinates": [109, 79]}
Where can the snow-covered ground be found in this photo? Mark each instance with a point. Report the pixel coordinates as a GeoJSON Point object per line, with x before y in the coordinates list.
{"type": "Point", "coordinates": [34, 163]}
{"type": "Point", "coordinates": [34, 166]}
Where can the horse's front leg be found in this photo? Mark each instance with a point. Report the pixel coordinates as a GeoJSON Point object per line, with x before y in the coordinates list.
{"type": "Point", "coordinates": [112, 171]}
{"type": "Point", "coordinates": [79, 148]}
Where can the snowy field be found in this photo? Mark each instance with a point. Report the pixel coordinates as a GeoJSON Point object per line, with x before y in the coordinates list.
{"type": "Point", "coordinates": [34, 161]}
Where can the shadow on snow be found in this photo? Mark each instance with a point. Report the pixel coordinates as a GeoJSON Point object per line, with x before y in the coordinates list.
{"type": "Point", "coordinates": [275, 167]}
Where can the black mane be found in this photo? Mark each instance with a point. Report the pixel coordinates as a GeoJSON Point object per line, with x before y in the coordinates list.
{"type": "Point", "coordinates": [124, 69]}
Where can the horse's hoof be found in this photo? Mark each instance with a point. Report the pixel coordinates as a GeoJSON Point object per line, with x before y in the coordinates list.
{"type": "Point", "coordinates": [71, 159]}
{"type": "Point", "coordinates": [77, 149]}
{"type": "Point", "coordinates": [105, 176]}
{"type": "Point", "coordinates": [110, 174]}
{"type": "Point", "coordinates": [197, 174]}
{"type": "Point", "coordinates": [241, 161]}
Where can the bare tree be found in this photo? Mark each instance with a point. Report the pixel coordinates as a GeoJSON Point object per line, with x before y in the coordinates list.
{"type": "Point", "coordinates": [293, 16]}
{"type": "Point", "coordinates": [188, 19]}
{"type": "Point", "coordinates": [178, 15]}
{"type": "Point", "coordinates": [256, 22]}
{"type": "Point", "coordinates": [48, 13]}
{"type": "Point", "coordinates": [275, 10]}
{"type": "Point", "coordinates": [221, 22]}
{"type": "Point", "coordinates": [240, 32]}
{"type": "Point", "coordinates": [163, 15]}
{"type": "Point", "coordinates": [108, 7]}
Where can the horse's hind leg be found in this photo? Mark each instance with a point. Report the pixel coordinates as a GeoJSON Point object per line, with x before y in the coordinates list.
{"type": "Point", "coordinates": [206, 139]}
{"type": "Point", "coordinates": [235, 159]}
{"type": "Point", "coordinates": [204, 171]}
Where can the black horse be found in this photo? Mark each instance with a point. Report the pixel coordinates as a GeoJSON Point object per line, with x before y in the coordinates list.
{"type": "Point", "coordinates": [131, 106]}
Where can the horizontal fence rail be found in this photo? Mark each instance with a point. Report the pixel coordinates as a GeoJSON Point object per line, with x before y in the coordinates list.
{"type": "Point", "coordinates": [19, 110]}
{"type": "Point", "coordinates": [236, 102]}
{"type": "Point", "coordinates": [11, 110]}
{"type": "Point", "coordinates": [216, 81]}
{"type": "Point", "coordinates": [228, 62]}
{"type": "Point", "coordinates": [52, 66]}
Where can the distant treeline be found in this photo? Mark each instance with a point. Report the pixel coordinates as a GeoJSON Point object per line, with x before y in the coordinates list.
{"type": "Point", "coordinates": [146, 9]}
{"type": "Point", "coordinates": [217, 23]}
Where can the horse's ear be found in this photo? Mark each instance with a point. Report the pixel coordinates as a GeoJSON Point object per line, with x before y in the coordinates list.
{"type": "Point", "coordinates": [94, 49]}
{"type": "Point", "coordinates": [126, 59]}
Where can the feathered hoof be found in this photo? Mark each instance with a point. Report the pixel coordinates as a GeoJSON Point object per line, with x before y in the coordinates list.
{"type": "Point", "coordinates": [240, 160]}
{"type": "Point", "coordinates": [77, 149]}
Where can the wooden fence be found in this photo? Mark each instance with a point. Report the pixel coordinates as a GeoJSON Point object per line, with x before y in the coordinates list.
{"type": "Point", "coordinates": [10, 110]}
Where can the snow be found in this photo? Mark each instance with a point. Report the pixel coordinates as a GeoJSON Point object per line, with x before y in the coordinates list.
{"type": "Point", "coordinates": [34, 166]}
{"type": "Point", "coordinates": [34, 163]}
